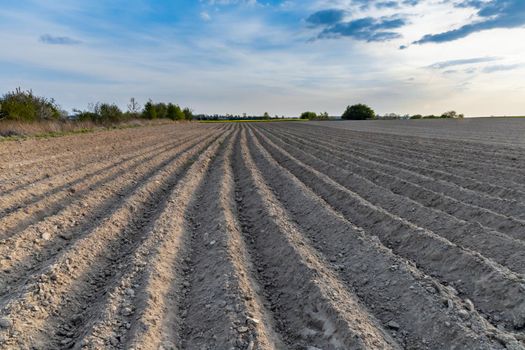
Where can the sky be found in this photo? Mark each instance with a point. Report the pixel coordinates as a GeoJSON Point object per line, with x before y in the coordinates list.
{"type": "Point", "coordinates": [277, 56]}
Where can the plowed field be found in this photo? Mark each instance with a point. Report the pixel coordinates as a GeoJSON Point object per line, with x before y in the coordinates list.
{"type": "Point", "coordinates": [261, 236]}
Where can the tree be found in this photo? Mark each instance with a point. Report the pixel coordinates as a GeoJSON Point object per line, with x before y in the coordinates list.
{"type": "Point", "coordinates": [149, 112]}
{"type": "Point", "coordinates": [266, 115]}
{"type": "Point", "coordinates": [108, 112]}
{"type": "Point", "coordinates": [162, 110]}
{"type": "Point", "coordinates": [188, 113]}
{"type": "Point", "coordinates": [416, 116]}
{"type": "Point", "coordinates": [452, 114]}
{"type": "Point", "coordinates": [323, 116]}
{"type": "Point", "coordinates": [24, 106]}
{"type": "Point", "coordinates": [133, 106]}
{"type": "Point", "coordinates": [358, 112]}
{"type": "Point", "coordinates": [308, 115]}
{"type": "Point", "coordinates": [105, 113]}
{"type": "Point", "coordinates": [174, 112]}
{"type": "Point", "coordinates": [391, 116]}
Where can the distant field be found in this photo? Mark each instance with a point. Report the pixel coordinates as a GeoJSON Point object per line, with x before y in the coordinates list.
{"type": "Point", "coordinates": [252, 121]}
{"type": "Point", "coordinates": [265, 236]}
{"type": "Point", "coordinates": [489, 130]}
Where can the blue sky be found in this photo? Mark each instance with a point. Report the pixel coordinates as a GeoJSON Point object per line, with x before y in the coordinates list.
{"type": "Point", "coordinates": [279, 56]}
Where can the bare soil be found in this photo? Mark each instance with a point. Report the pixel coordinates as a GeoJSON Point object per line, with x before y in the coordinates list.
{"type": "Point", "coordinates": [262, 236]}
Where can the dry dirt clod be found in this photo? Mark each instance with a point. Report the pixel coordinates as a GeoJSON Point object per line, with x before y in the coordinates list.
{"type": "Point", "coordinates": [167, 345]}
{"type": "Point", "coordinates": [46, 236]}
{"type": "Point", "coordinates": [5, 322]}
{"type": "Point", "coordinates": [242, 329]}
{"type": "Point", "coordinates": [470, 305]}
{"type": "Point", "coordinates": [393, 325]}
{"type": "Point", "coordinates": [252, 321]}
{"type": "Point", "coordinates": [66, 235]}
{"type": "Point", "coordinates": [66, 341]}
{"type": "Point", "coordinates": [464, 314]}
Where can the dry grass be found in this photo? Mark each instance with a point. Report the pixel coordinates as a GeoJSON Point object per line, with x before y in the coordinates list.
{"type": "Point", "coordinates": [15, 129]}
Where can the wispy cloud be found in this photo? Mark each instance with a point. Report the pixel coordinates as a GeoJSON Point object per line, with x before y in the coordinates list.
{"type": "Point", "coordinates": [462, 62]}
{"type": "Point", "coordinates": [58, 40]}
{"type": "Point", "coordinates": [502, 67]}
{"type": "Point", "coordinates": [205, 16]}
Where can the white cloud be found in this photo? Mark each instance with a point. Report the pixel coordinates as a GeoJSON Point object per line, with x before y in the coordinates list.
{"type": "Point", "coordinates": [205, 16]}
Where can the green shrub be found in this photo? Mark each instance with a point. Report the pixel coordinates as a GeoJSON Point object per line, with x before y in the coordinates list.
{"type": "Point", "coordinates": [85, 115]}
{"type": "Point", "coordinates": [174, 112]}
{"type": "Point", "coordinates": [188, 113]}
{"type": "Point", "coordinates": [451, 114]}
{"type": "Point", "coordinates": [101, 113]}
{"type": "Point", "coordinates": [358, 112]}
{"type": "Point", "coordinates": [24, 106]}
{"type": "Point", "coordinates": [416, 116]}
{"type": "Point", "coordinates": [150, 111]}
{"type": "Point", "coordinates": [308, 115]}
{"type": "Point", "coordinates": [109, 113]}
{"type": "Point", "coordinates": [323, 116]}
{"type": "Point", "coordinates": [162, 110]}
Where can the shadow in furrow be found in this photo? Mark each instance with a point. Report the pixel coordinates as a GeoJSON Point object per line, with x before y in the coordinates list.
{"type": "Point", "coordinates": [60, 203]}
{"type": "Point", "coordinates": [81, 178]}
{"type": "Point", "coordinates": [103, 211]}
{"type": "Point", "coordinates": [81, 302]}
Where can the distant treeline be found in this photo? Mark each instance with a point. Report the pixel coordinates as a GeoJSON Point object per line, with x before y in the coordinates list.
{"type": "Point", "coordinates": [218, 117]}
{"type": "Point", "coordinates": [363, 112]}
{"type": "Point", "coordinates": [20, 105]}
{"type": "Point", "coordinates": [446, 115]}
{"type": "Point", "coordinates": [244, 116]}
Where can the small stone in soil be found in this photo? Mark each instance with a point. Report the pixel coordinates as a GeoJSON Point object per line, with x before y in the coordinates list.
{"type": "Point", "coordinates": [242, 329]}
{"type": "Point", "coordinates": [167, 345]}
{"type": "Point", "coordinates": [463, 314]}
{"type": "Point", "coordinates": [113, 341]}
{"type": "Point", "coordinates": [393, 325]}
{"type": "Point", "coordinates": [66, 341]}
{"type": "Point", "coordinates": [127, 311]}
{"type": "Point", "coordinates": [5, 322]}
{"type": "Point", "coordinates": [252, 320]}
{"type": "Point", "coordinates": [469, 304]}
{"type": "Point", "coordinates": [65, 235]}
{"type": "Point", "coordinates": [46, 236]}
